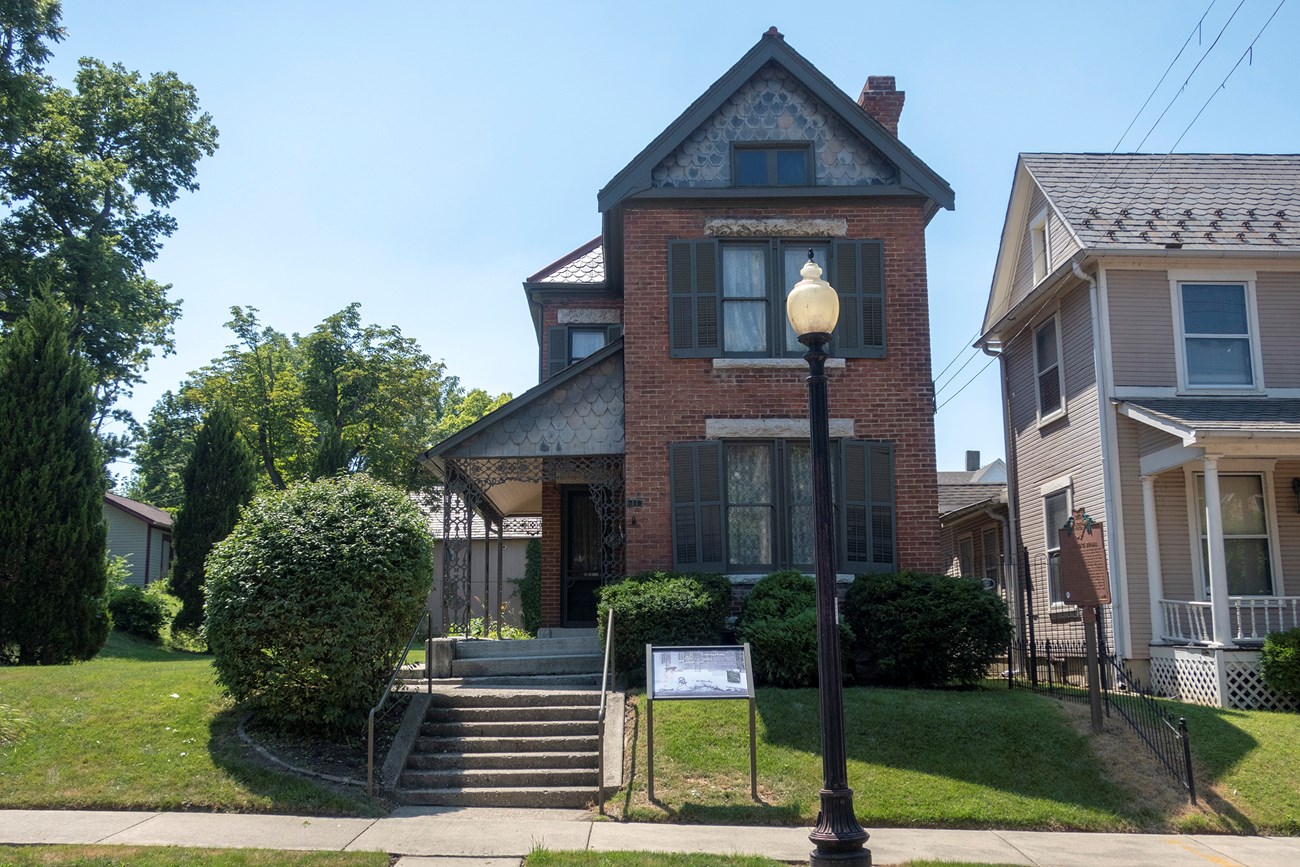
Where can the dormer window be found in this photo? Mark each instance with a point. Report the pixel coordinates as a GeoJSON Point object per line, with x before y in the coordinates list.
{"type": "Point", "coordinates": [785, 165]}
{"type": "Point", "coordinates": [1038, 247]}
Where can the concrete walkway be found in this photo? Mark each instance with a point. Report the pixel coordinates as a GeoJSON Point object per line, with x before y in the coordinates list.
{"type": "Point", "coordinates": [468, 837]}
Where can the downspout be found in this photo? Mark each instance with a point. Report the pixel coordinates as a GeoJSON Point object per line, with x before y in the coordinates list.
{"type": "Point", "coordinates": [1109, 473]}
{"type": "Point", "coordinates": [1011, 523]}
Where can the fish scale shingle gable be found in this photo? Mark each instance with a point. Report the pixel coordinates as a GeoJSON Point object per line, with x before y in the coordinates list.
{"type": "Point", "coordinates": [1219, 202]}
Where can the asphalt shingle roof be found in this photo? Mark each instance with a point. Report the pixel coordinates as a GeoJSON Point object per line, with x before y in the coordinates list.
{"type": "Point", "coordinates": [1226, 415]}
{"type": "Point", "coordinates": [1154, 201]}
{"type": "Point", "coordinates": [954, 497]}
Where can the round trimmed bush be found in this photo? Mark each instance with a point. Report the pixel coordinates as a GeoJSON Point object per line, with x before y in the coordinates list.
{"type": "Point", "coordinates": [136, 611]}
{"type": "Point", "coordinates": [780, 624]}
{"type": "Point", "coordinates": [914, 629]}
{"type": "Point", "coordinates": [311, 596]}
{"type": "Point", "coordinates": [663, 608]}
{"type": "Point", "coordinates": [1279, 662]}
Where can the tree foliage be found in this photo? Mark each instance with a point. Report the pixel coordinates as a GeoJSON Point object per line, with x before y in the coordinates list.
{"type": "Point", "coordinates": [53, 575]}
{"type": "Point", "coordinates": [219, 478]}
{"type": "Point", "coordinates": [346, 397]}
{"type": "Point", "coordinates": [312, 596]}
{"type": "Point", "coordinates": [87, 177]}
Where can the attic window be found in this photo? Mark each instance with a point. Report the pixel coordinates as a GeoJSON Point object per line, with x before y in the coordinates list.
{"type": "Point", "coordinates": [1039, 248]}
{"type": "Point", "coordinates": [772, 166]}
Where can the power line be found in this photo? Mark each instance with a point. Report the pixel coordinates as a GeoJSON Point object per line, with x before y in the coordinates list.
{"type": "Point", "coordinates": [974, 355]}
{"type": "Point", "coordinates": [968, 382]}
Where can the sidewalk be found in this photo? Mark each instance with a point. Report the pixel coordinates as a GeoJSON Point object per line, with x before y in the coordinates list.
{"type": "Point", "coordinates": [468, 837]}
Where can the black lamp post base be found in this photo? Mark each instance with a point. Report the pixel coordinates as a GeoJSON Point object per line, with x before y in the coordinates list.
{"type": "Point", "coordinates": [838, 836]}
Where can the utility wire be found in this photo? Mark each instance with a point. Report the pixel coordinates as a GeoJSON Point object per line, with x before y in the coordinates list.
{"type": "Point", "coordinates": [968, 382]}
{"type": "Point", "coordinates": [974, 355]}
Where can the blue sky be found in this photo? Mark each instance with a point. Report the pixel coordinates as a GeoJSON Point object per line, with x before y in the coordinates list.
{"type": "Point", "coordinates": [424, 157]}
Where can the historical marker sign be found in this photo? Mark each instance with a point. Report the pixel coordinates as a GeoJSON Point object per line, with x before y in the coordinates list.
{"type": "Point", "coordinates": [698, 672]}
{"type": "Point", "coordinates": [1085, 579]}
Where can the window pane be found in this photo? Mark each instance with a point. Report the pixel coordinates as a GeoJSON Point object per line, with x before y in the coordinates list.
{"type": "Point", "coordinates": [966, 557]}
{"type": "Point", "coordinates": [749, 535]}
{"type": "Point", "coordinates": [1045, 346]}
{"type": "Point", "coordinates": [792, 167]}
{"type": "Point", "coordinates": [1212, 308]}
{"type": "Point", "coordinates": [1248, 567]}
{"type": "Point", "coordinates": [1243, 505]}
{"type": "Point", "coordinates": [1245, 534]}
{"type": "Point", "coordinates": [1049, 391]}
{"type": "Point", "coordinates": [1054, 509]}
{"type": "Point", "coordinates": [798, 457]}
{"type": "Point", "coordinates": [751, 167]}
{"type": "Point", "coordinates": [792, 259]}
{"type": "Point", "coordinates": [744, 326]}
{"type": "Point", "coordinates": [1218, 361]}
{"type": "Point", "coordinates": [584, 343]}
{"type": "Point", "coordinates": [749, 473]}
{"type": "Point", "coordinates": [744, 272]}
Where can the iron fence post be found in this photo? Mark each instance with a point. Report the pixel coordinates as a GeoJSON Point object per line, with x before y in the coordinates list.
{"type": "Point", "coordinates": [1187, 758]}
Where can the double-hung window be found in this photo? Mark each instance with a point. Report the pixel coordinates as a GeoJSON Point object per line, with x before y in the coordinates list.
{"type": "Point", "coordinates": [1047, 370]}
{"type": "Point", "coordinates": [727, 297]}
{"type": "Point", "coordinates": [1246, 543]}
{"type": "Point", "coordinates": [1216, 329]}
{"type": "Point", "coordinates": [745, 506]}
{"type": "Point", "coordinates": [1056, 511]}
{"type": "Point", "coordinates": [992, 571]}
{"type": "Point", "coordinates": [568, 344]}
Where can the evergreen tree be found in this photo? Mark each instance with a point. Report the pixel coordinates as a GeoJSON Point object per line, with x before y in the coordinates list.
{"type": "Point", "coordinates": [53, 575]}
{"type": "Point", "coordinates": [219, 478]}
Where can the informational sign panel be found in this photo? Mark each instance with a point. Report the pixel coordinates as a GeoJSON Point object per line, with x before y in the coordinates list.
{"type": "Point", "coordinates": [1085, 579]}
{"type": "Point", "coordinates": [698, 672]}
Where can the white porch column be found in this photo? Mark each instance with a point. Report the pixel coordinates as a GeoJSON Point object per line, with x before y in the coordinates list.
{"type": "Point", "coordinates": [1218, 559]}
{"type": "Point", "coordinates": [1155, 577]}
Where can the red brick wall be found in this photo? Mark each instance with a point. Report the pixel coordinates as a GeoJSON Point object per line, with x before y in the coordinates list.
{"type": "Point", "coordinates": [668, 399]}
{"type": "Point", "coordinates": [551, 589]}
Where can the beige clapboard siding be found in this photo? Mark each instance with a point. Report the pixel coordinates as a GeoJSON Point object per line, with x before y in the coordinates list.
{"type": "Point", "coordinates": [1141, 328]}
{"type": "Point", "coordinates": [1288, 526]}
{"type": "Point", "coordinates": [1151, 440]}
{"type": "Point", "coordinates": [1128, 435]}
{"type": "Point", "coordinates": [1070, 446]}
{"type": "Point", "coordinates": [1176, 550]}
{"type": "Point", "coordinates": [1277, 295]}
{"type": "Point", "coordinates": [1023, 281]}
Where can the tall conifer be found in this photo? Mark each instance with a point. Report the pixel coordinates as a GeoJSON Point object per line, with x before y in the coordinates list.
{"type": "Point", "coordinates": [219, 478]}
{"type": "Point", "coordinates": [53, 578]}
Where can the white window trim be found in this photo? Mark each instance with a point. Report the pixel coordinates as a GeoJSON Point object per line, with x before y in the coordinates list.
{"type": "Point", "coordinates": [1233, 467]}
{"type": "Point", "coordinates": [1039, 224]}
{"type": "Point", "coordinates": [1060, 370]}
{"type": "Point", "coordinates": [1063, 484]}
{"type": "Point", "coordinates": [1247, 279]}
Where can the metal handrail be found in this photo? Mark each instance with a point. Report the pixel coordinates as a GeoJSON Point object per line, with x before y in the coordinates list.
{"type": "Point", "coordinates": [388, 689]}
{"type": "Point", "coordinates": [606, 678]}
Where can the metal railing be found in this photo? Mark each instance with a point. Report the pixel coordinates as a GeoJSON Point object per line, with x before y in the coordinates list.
{"type": "Point", "coordinates": [607, 675]}
{"type": "Point", "coordinates": [1252, 618]}
{"type": "Point", "coordinates": [427, 622]}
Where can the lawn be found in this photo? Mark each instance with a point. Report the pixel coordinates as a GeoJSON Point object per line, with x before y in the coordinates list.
{"type": "Point", "coordinates": [171, 856]}
{"type": "Point", "coordinates": [139, 727]}
{"type": "Point", "coordinates": [990, 758]}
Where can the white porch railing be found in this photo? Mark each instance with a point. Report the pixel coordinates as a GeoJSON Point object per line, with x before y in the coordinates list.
{"type": "Point", "coordinates": [1252, 617]}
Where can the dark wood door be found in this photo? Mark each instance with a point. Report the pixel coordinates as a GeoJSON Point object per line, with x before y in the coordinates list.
{"type": "Point", "coordinates": [580, 554]}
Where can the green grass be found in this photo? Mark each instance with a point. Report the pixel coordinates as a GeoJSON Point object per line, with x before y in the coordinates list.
{"type": "Point", "coordinates": [1248, 768]}
{"type": "Point", "coordinates": [171, 856]}
{"type": "Point", "coordinates": [141, 727]}
{"type": "Point", "coordinates": [980, 759]}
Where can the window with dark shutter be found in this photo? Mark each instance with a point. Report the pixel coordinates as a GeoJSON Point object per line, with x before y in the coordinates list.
{"type": "Point", "coordinates": [557, 349]}
{"type": "Point", "coordinates": [867, 516]}
{"type": "Point", "coordinates": [693, 298]}
{"type": "Point", "coordinates": [858, 276]}
{"type": "Point", "coordinates": [697, 490]}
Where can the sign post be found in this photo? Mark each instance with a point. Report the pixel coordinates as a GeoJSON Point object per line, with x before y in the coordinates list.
{"type": "Point", "coordinates": [689, 673]}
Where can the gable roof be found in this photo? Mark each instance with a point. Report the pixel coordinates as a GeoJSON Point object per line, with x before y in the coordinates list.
{"type": "Point", "coordinates": [584, 266]}
{"type": "Point", "coordinates": [151, 515]}
{"type": "Point", "coordinates": [915, 177]}
{"type": "Point", "coordinates": [1167, 205]}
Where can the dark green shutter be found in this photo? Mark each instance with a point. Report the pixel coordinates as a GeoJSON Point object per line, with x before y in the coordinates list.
{"type": "Point", "coordinates": [867, 513]}
{"type": "Point", "coordinates": [557, 349]}
{"type": "Point", "coordinates": [697, 503]}
{"type": "Point", "coordinates": [693, 299]}
{"type": "Point", "coordinates": [859, 277]}
{"type": "Point", "coordinates": [612, 333]}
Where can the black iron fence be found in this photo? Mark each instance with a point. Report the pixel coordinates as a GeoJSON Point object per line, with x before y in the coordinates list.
{"type": "Point", "coordinates": [1049, 655]}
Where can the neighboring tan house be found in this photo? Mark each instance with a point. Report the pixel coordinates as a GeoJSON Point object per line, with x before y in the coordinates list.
{"type": "Point", "coordinates": [973, 525]}
{"type": "Point", "coordinates": [670, 427]}
{"type": "Point", "coordinates": [1147, 312]}
{"type": "Point", "coordinates": [140, 533]}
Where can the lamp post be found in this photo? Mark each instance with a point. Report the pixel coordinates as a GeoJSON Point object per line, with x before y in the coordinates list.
{"type": "Point", "coordinates": [813, 308]}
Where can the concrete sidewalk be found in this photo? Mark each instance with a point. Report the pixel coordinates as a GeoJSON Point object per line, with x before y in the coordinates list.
{"type": "Point", "coordinates": [461, 837]}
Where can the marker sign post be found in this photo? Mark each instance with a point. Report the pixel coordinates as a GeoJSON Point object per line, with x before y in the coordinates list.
{"type": "Point", "coordinates": [689, 673]}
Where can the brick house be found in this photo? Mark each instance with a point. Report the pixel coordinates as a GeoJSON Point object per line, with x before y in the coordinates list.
{"type": "Point", "coordinates": [1145, 309]}
{"type": "Point", "coordinates": [669, 427]}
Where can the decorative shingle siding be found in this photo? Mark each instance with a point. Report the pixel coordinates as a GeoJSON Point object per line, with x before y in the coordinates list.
{"type": "Point", "coordinates": [669, 399]}
{"type": "Point", "coordinates": [773, 107]}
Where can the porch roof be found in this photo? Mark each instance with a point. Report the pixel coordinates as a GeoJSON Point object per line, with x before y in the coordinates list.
{"type": "Point", "coordinates": [1195, 419]}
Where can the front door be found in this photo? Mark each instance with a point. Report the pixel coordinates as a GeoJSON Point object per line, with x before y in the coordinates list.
{"type": "Point", "coordinates": [580, 558]}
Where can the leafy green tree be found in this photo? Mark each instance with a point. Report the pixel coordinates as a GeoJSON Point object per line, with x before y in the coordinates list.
{"type": "Point", "coordinates": [53, 575]}
{"type": "Point", "coordinates": [219, 478]}
{"type": "Point", "coordinates": [87, 177]}
{"type": "Point", "coordinates": [164, 450]}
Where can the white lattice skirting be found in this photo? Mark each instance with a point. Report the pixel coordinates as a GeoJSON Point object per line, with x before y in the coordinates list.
{"type": "Point", "coordinates": [1218, 678]}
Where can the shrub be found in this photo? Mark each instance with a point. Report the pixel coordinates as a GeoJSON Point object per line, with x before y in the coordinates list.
{"type": "Point", "coordinates": [1279, 662]}
{"type": "Point", "coordinates": [311, 596]}
{"type": "Point", "coordinates": [530, 588]}
{"type": "Point", "coordinates": [780, 624]}
{"type": "Point", "coordinates": [137, 612]}
{"type": "Point", "coordinates": [663, 608]}
{"type": "Point", "coordinates": [914, 629]}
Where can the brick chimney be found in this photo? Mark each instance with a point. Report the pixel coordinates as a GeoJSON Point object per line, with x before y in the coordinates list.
{"type": "Point", "coordinates": [880, 100]}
